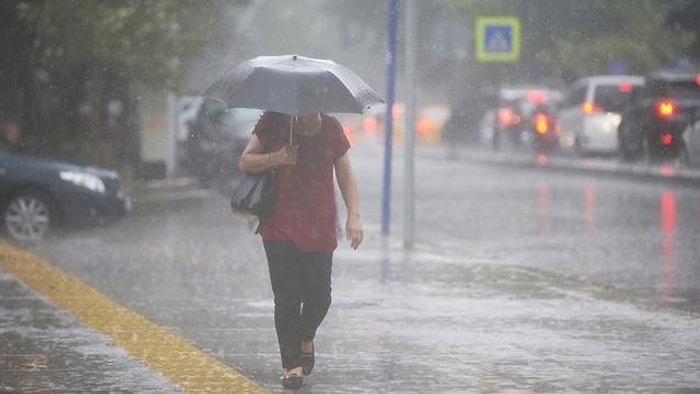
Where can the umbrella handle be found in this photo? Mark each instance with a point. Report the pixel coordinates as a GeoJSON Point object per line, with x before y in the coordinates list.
{"type": "Point", "coordinates": [292, 118]}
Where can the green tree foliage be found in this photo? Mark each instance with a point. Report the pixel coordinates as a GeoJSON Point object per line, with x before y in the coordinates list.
{"type": "Point", "coordinates": [68, 67]}
{"type": "Point", "coordinates": [634, 35]}
{"type": "Point", "coordinates": [143, 40]}
{"type": "Point", "coordinates": [685, 15]}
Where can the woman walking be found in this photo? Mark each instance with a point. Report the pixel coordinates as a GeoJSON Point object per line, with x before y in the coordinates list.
{"type": "Point", "coordinates": [299, 236]}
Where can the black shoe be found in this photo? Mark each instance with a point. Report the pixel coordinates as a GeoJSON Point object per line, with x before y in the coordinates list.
{"type": "Point", "coordinates": [292, 381]}
{"type": "Point", "coordinates": [308, 360]}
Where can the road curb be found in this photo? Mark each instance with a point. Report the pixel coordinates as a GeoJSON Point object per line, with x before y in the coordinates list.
{"type": "Point", "coordinates": [665, 172]}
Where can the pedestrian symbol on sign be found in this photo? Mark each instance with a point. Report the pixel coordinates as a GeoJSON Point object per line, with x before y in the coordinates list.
{"type": "Point", "coordinates": [498, 39]}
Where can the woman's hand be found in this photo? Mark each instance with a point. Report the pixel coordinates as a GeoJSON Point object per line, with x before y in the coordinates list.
{"type": "Point", "coordinates": [353, 231]}
{"type": "Point", "coordinates": [286, 156]}
{"type": "Point", "coordinates": [348, 188]}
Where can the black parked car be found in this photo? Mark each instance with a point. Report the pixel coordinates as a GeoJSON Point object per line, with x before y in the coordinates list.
{"type": "Point", "coordinates": [653, 121]}
{"type": "Point", "coordinates": [216, 140]}
{"type": "Point", "coordinates": [38, 194]}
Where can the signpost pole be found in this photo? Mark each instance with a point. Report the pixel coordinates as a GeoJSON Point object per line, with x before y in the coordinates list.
{"type": "Point", "coordinates": [410, 132]}
{"type": "Point", "coordinates": [389, 118]}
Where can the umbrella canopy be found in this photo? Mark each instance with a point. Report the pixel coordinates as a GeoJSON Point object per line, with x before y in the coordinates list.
{"type": "Point", "coordinates": [294, 85]}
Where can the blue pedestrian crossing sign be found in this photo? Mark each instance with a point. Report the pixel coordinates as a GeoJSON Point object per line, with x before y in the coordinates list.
{"type": "Point", "coordinates": [497, 39]}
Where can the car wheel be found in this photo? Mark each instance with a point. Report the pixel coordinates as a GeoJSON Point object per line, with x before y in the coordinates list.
{"type": "Point", "coordinates": [651, 152]}
{"type": "Point", "coordinates": [627, 152]}
{"type": "Point", "coordinates": [28, 216]}
{"type": "Point", "coordinates": [578, 148]}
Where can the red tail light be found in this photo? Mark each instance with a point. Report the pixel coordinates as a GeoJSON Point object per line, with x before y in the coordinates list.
{"type": "Point", "coordinates": [697, 79]}
{"type": "Point", "coordinates": [536, 97]}
{"type": "Point", "coordinates": [541, 123]}
{"type": "Point", "coordinates": [507, 117]}
{"type": "Point", "coordinates": [589, 108]}
{"type": "Point", "coordinates": [625, 87]}
{"type": "Point", "coordinates": [666, 109]}
{"type": "Point", "coordinates": [666, 139]}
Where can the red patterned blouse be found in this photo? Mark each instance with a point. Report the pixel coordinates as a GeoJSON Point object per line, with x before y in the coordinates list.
{"type": "Point", "coordinates": [305, 210]}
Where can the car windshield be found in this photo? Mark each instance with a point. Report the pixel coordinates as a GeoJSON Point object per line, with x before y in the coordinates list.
{"type": "Point", "coordinates": [612, 98]}
{"type": "Point", "coordinates": [684, 90]}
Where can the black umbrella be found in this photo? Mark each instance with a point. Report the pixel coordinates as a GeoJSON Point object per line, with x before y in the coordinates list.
{"type": "Point", "coordinates": [294, 85]}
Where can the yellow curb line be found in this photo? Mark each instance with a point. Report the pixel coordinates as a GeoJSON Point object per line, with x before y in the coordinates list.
{"type": "Point", "coordinates": [186, 366]}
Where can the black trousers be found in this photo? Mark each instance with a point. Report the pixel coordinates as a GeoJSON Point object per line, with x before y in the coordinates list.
{"type": "Point", "coordinates": [301, 283]}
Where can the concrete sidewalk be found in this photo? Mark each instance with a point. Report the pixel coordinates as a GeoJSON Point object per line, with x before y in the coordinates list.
{"type": "Point", "coordinates": [45, 349]}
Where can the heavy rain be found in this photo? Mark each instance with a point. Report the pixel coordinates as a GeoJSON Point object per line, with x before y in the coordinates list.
{"type": "Point", "coordinates": [527, 201]}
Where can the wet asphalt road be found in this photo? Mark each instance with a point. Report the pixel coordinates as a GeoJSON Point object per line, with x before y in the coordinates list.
{"type": "Point", "coordinates": [520, 281]}
{"type": "Point", "coordinates": [641, 236]}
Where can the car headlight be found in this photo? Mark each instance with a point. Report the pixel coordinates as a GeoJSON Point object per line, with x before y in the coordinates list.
{"type": "Point", "coordinates": [85, 180]}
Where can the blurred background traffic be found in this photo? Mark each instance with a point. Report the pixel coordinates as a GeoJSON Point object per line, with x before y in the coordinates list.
{"type": "Point", "coordinates": [117, 84]}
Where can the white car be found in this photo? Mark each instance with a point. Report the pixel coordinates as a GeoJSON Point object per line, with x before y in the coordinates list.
{"type": "Point", "coordinates": [590, 114]}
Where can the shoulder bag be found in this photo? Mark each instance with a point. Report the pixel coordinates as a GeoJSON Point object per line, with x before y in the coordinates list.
{"type": "Point", "coordinates": [255, 193]}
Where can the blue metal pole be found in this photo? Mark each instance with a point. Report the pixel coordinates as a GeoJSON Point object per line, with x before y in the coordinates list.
{"type": "Point", "coordinates": [389, 119]}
